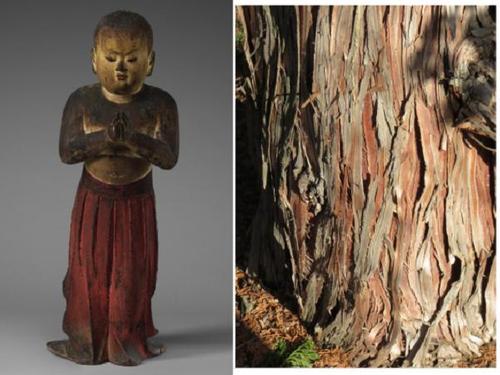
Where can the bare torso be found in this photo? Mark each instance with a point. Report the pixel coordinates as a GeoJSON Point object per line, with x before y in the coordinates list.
{"type": "Point", "coordinates": [117, 170]}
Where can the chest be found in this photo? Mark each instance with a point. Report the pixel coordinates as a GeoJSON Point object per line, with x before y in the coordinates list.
{"type": "Point", "coordinates": [144, 118]}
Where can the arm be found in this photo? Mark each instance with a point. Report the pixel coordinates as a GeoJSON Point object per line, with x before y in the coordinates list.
{"type": "Point", "coordinates": [162, 149]}
{"type": "Point", "coordinates": [74, 145]}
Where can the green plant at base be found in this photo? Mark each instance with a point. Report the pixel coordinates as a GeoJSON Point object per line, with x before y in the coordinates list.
{"type": "Point", "coordinates": [303, 355]}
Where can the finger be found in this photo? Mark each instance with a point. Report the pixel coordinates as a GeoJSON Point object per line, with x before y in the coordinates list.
{"type": "Point", "coordinates": [124, 120]}
{"type": "Point", "coordinates": [116, 131]}
{"type": "Point", "coordinates": [112, 132]}
{"type": "Point", "coordinates": [116, 119]}
{"type": "Point", "coordinates": [125, 126]}
{"type": "Point", "coordinates": [120, 131]}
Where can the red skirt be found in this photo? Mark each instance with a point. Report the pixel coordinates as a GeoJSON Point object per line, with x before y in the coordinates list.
{"type": "Point", "coordinates": [111, 278]}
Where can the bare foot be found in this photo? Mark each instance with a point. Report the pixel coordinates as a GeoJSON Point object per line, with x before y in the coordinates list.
{"type": "Point", "coordinates": [59, 348]}
{"type": "Point", "coordinates": [63, 349]}
{"type": "Point", "coordinates": [156, 348]}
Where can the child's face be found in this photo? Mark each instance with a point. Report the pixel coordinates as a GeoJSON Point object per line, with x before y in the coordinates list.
{"type": "Point", "coordinates": [121, 61]}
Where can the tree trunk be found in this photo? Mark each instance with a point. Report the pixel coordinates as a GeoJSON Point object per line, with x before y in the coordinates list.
{"type": "Point", "coordinates": [373, 132]}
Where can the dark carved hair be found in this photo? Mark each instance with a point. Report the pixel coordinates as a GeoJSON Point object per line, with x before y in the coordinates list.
{"type": "Point", "coordinates": [125, 21]}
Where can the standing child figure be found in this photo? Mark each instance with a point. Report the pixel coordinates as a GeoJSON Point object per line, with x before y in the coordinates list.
{"type": "Point", "coordinates": [119, 128]}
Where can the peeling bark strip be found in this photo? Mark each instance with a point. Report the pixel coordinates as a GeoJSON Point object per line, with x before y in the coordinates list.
{"type": "Point", "coordinates": [377, 209]}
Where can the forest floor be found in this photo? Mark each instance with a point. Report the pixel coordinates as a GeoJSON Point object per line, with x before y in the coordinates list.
{"type": "Point", "coordinates": [263, 324]}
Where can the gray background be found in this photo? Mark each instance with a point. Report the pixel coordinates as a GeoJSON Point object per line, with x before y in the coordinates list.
{"type": "Point", "coordinates": [45, 55]}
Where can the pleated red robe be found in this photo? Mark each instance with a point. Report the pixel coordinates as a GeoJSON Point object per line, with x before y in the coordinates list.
{"type": "Point", "coordinates": [112, 272]}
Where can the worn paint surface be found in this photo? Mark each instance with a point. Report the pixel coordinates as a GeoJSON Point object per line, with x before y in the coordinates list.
{"type": "Point", "coordinates": [377, 203]}
{"type": "Point", "coordinates": [111, 277]}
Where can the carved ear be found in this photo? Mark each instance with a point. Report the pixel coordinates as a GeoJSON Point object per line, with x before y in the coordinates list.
{"type": "Point", "coordinates": [93, 60]}
{"type": "Point", "coordinates": [151, 63]}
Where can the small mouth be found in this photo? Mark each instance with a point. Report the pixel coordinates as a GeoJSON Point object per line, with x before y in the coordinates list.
{"type": "Point", "coordinates": [121, 76]}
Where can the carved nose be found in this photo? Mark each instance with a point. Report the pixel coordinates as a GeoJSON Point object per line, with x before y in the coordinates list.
{"type": "Point", "coordinates": [120, 66]}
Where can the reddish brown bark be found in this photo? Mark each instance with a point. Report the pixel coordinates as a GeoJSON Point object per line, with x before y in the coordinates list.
{"type": "Point", "coordinates": [377, 203]}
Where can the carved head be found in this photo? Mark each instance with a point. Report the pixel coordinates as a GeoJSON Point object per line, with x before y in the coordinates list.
{"type": "Point", "coordinates": [123, 54]}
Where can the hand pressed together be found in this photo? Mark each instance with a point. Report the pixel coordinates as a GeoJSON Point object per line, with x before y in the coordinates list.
{"type": "Point", "coordinates": [119, 130]}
